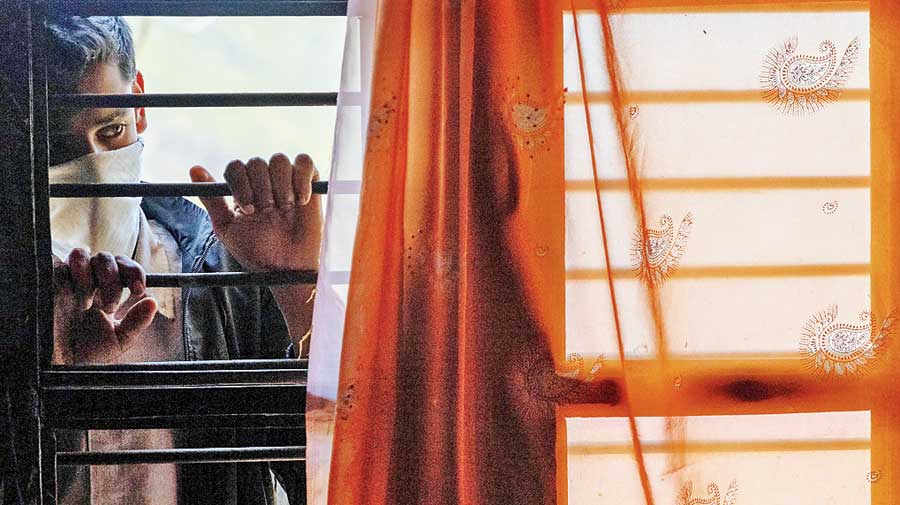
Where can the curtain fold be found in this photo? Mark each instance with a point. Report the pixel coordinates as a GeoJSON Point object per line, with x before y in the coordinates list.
{"type": "Point", "coordinates": [450, 346]}
{"type": "Point", "coordinates": [610, 252]}
{"type": "Point", "coordinates": [885, 187]}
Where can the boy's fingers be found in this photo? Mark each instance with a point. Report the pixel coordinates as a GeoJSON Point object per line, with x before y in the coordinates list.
{"type": "Point", "coordinates": [82, 277]}
{"type": "Point", "coordinates": [136, 320]}
{"type": "Point", "coordinates": [281, 175]}
{"type": "Point", "coordinates": [239, 182]}
{"type": "Point", "coordinates": [131, 275]}
{"type": "Point", "coordinates": [216, 206]}
{"type": "Point", "coordinates": [304, 173]}
{"type": "Point", "coordinates": [62, 276]}
{"type": "Point", "coordinates": [260, 180]}
{"type": "Point", "coordinates": [106, 277]}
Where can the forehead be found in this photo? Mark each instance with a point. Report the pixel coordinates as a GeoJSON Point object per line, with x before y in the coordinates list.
{"type": "Point", "coordinates": [103, 78]}
{"type": "Point", "coordinates": [98, 78]}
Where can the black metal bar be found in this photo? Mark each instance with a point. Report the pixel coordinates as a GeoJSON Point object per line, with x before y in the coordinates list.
{"type": "Point", "coordinates": [41, 154]}
{"type": "Point", "coordinates": [183, 456]}
{"type": "Point", "coordinates": [202, 366]}
{"type": "Point", "coordinates": [48, 467]}
{"type": "Point", "coordinates": [199, 8]}
{"type": "Point", "coordinates": [43, 298]}
{"type": "Point", "coordinates": [153, 189]}
{"type": "Point", "coordinates": [196, 100]}
{"type": "Point", "coordinates": [172, 405]}
{"type": "Point", "coordinates": [97, 378]}
{"type": "Point", "coordinates": [276, 421]}
{"type": "Point", "coordinates": [276, 278]}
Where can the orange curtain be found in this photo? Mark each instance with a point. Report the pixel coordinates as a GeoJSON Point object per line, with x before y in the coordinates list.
{"type": "Point", "coordinates": [455, 305]}
{"type": "Point", "coordinates": [615, 252]}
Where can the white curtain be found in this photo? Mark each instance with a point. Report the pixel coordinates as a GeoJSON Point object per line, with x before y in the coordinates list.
{"type": "Point", "coordinates": [342, 210]}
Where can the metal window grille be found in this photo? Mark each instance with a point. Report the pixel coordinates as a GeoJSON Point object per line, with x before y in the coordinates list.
{"type": "Point", "coordinates": [260, 394]}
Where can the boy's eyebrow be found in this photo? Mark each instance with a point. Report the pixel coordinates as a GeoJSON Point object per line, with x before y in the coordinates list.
{"type": "Point", "coordinates": [111, 116]}
{"type": "Point", "coordinates": [59, 125]}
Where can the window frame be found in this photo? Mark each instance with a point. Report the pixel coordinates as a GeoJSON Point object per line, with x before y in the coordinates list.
{"type": "Point", "coordinates": [738, 385]}
{"type": "Point", "coordinates": [247, 394]}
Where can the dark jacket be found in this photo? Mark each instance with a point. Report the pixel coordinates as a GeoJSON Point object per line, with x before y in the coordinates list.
{"type": "Point", "coordinates": [218, 323]}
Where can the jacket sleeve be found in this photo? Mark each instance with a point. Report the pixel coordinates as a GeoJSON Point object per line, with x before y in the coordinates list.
{"type": "Point", "coordinates": [266, 337]}
{"type": "Point", "coordinates": [251, 322]}
{"type": "Point", "coordinates": [275, 339]}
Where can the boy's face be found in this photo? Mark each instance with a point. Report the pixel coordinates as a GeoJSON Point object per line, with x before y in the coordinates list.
{"type": "Point", "coordinates": [76, 133]}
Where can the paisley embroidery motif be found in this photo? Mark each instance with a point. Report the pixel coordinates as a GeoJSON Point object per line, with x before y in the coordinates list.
{"type": "Point", "coordinates": [531, 120]}
{"type": "Point", "coordinates": [540, 387]}
{"type": "Point", "coordinates": [830, 207]}
{"type": "Point", "coordinates": [799, 83]}
{"type": "Point", "coordinates": [713, 497]}
{"type": "Point", "coordinates": [664, 249]}
{"type": "Point", "coordinates": [843, 348]}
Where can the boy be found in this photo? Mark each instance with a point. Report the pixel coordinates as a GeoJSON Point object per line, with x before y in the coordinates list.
{"type": "Point", "coordinates": [102, 245]}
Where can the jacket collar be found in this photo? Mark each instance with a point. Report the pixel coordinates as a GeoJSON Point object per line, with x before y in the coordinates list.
{"type": "Point", "coordinates": [188, 223]}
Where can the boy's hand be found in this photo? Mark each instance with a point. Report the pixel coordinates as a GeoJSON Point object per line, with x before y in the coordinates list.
{"type": "Point", "coordinates": [88, 291]}
{"type": "Point", "coordinates": [276, 223]}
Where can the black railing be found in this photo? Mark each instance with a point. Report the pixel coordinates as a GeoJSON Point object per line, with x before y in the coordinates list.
{"type": "Point", "coordinates": [199, 7]}
{"type": "Point", "coordinates": [257, 394]}
{"type": "Point", "coordinates": [152, 189]}
{"type": "Point", "coordinates": [197, 100]}
{"type": "Point", "coordinates": [183, 456]}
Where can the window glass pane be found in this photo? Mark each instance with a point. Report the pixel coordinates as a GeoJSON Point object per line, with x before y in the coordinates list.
{"type": "Point", "coordinates": [177, 139]}
{"type": "Point", "coordinates": [758, 219]}
{"type": "Point", "coordinates": [806, 459]}
{"type": "Point", "coordinates": [239, 54]}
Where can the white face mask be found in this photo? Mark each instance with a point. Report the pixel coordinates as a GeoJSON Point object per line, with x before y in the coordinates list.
{"type": "Point", "coordinates": [97, 224]}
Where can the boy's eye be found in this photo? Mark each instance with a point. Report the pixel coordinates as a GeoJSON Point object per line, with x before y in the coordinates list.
{"type": "Point", "coordinates": [111, 131]}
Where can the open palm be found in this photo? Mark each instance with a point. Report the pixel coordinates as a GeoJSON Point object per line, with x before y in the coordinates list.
{"type": "Point", "coordinates": [89, 326]}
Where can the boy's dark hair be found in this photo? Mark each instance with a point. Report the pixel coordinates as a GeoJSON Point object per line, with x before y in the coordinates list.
{"type": "Point", "coordinates": [74, 43]}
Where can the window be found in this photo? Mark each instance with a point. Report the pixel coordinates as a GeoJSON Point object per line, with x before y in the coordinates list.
{"type": "Point", "coordinates": [259, 403]}
{"type": "Point", "coordinates": [734, 310]}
